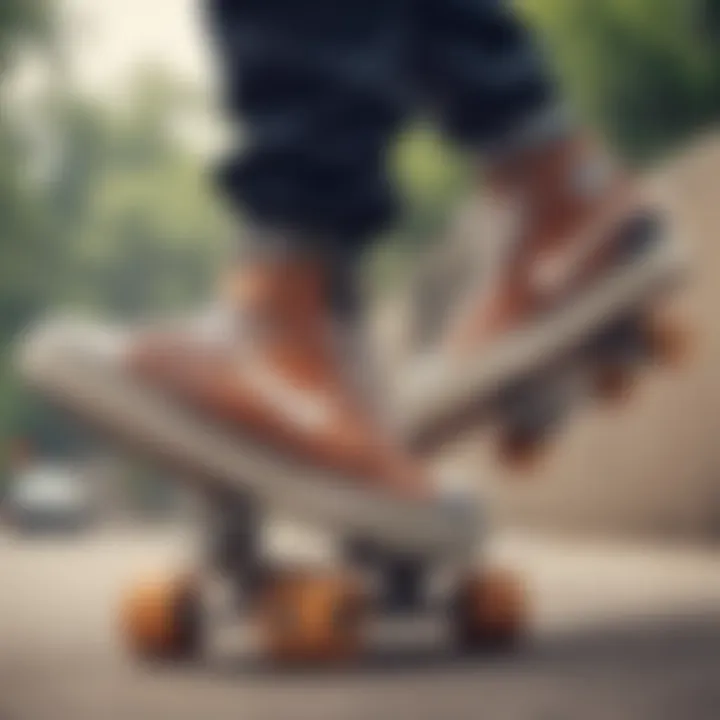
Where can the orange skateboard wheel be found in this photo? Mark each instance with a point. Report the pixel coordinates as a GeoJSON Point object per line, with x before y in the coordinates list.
{"type": "Point", "coordinates": [490, 611]}
{"type": "Point", "coordinates": [161, 619]}
{"type": "Point", "coordinates": [614, 382]}
{"type": "Point", "coordinates": [312, 618]}
{"type": "Point", "coordinates": [668, 340]}
{"type": "Point", "coordinates": [522, 450]}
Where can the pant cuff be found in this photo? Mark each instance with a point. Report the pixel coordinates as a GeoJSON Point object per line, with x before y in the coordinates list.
{"type": "Point", "coordinates": [546, 126]}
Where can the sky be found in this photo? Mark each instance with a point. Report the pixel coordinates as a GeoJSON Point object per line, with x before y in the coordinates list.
{"type": "Point", "coordinates": [109, 37]}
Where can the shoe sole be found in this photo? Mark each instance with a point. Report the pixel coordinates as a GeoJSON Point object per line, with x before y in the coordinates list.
{"type": "Point", "coordinates": [60, 361]}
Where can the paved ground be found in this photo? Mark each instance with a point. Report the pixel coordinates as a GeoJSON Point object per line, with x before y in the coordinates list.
{"type": "Point", "coordinates": [617, 633]}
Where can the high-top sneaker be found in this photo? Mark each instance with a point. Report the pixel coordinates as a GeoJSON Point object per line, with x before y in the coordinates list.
{"type": "Point", "coordinates": [566, 209]}
{"type": "Point", "coordinates": [255, 397]}
{"type": "Point", "coordinates": [579, 240]}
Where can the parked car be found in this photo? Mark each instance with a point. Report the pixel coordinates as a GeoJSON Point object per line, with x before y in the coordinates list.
{"type": "Point", "coordinates": [49, 498]}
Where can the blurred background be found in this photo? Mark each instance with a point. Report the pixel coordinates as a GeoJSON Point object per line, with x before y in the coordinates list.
{"type": "Point", "coordinates": [108, 128]}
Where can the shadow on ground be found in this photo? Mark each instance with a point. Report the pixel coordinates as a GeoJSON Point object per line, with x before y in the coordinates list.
{"type": "Point", "coordinates": [644, 649]}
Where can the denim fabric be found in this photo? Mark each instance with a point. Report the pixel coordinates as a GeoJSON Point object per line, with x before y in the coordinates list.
{"type": "Point", "coordinates": [320, 88]}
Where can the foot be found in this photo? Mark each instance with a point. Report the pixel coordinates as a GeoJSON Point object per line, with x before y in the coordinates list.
{"type": "Point", "coordinates": [570, 210]}
{"type": "Point", "coordinates": [265, 369]}
{"type": "Point", "coordinates": [269, 370]}
{"type": "Point", "coordinates": [256, 401]}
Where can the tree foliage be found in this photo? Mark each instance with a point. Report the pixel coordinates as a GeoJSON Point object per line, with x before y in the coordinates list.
{"type": "Point", "coordinates": [21, 21]}
{"type": "Point", "coordinates": [104, 208]}
{"type": "Point", "coordinates": [646, 70]}
{"type": "Point", "coordinates": [142, 230]}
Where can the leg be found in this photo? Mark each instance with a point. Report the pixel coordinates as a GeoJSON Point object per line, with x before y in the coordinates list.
{"type": "Point", "coordinates": [318, 88]}
{"type": "Point", "coordinates": [479, 70]}
{"type": "Point", "coordinates": [567, 213]}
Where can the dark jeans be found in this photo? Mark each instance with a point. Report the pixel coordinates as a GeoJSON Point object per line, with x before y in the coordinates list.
{"type": "Point", "coordinates": [321, 87]}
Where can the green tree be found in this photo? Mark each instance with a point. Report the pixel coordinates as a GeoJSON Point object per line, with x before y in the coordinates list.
{"type": "Point", "coordinates": [143, 228]}
{"type": "Point", "coordinates": [108, 210]}
{"type": "Point", "coordinates": [646, 70]}
{"type": "Point", "coordinates": [23, 23]}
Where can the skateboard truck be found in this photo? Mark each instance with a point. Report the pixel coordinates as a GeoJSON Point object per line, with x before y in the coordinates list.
{"type": "Point", "coordinates": [319, 615]}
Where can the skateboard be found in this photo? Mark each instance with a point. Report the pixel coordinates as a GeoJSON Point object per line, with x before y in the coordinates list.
{"type": "Point", "coordinates": [396, 556]}
{"type": "Point", "coordinates": [527, 387]}
{"type": "Point", "coordinates": [310, 615]}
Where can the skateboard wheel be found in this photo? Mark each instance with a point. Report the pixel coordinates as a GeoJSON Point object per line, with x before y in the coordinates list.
{"type": "Point", "coordinates": [311, 618]}
{"type": "Point", "coordinates": [668, 342]}
{"type": "Point", "coordinates": [521, 450]}
{"type": "Point", "coordinates": [613, 382]}
{"type": "Point", "coordinates": [162, 619]}
{"type": "Point", "coordinates": [489, 611]}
